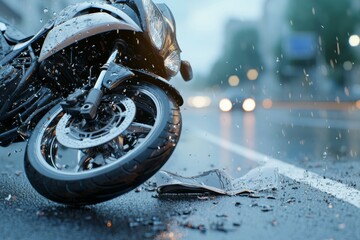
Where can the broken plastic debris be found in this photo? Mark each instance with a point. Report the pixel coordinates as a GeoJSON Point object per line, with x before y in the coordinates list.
{"type": "Point", "coordinates": [218, 181]}
{"type": "Point", "coordinates": [8, 198]}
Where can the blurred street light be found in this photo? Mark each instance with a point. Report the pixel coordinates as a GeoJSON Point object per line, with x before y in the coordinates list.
{"type": "Point", "coordinates": [354, 40]}
{"type": "Point", "coordinates": [252, 74]}
{"type": "Point", "coordinates": [234, 80]}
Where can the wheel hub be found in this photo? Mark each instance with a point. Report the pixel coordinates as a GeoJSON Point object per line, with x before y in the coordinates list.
{"type": "Point", "coordinates": [115, 114]}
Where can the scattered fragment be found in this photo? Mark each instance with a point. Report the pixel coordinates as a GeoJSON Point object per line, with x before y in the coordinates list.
{"type": "Point", "coordinates": [254, 196]}
{"type": "Point", "coordinates": [155, 225]}
{"type": "Point", "coordinates": [291, 200]}
{"type": "Point", "coordinates": [271, 197]}
{"type": "Point", "coordinates": [200, 227]}
{"type": "Point", "coordinates": [205, 198]}
{"type": "Point", "coordinates": [236, 224]}
{"type": "Point", "coordinates": [254, 205]}
{"type": "Point", "coordinates": [221, 226]}
{"type": "Point", "coordinates": [150, 186]}
{"type": "Point", "coordinates": [8, 198]}
{"type": "Point", "coordinates": [218, 182]}
{"type": "Point", "coordinates": [187, 212]}
{"type": "Point", "coordinates": [274, 223]}
{"type": "Point", "coordinates": [266, 208]}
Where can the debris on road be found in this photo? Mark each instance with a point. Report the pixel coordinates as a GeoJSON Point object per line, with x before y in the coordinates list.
{"type": "Point", "coordinates": [218, 182]}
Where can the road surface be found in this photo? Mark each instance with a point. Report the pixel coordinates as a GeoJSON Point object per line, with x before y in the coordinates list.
{"type": "Point", "coordinates": [314, 149]}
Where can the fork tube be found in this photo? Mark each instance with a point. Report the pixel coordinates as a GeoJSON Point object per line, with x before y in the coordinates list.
{"type": "Point", "coordinates": [93, 99]}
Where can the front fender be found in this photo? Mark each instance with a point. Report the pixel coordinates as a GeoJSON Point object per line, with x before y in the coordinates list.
{"type": "Point", "coordinates": [162, 83]}
{"type": "Point", "coordinates": [117, 74]}
{"type": "Point", "coordinates": [79, 28]}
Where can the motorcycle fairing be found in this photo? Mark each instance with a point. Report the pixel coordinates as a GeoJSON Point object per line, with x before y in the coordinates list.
{"type": "Point", "coordinates": [78, 9]}
{"type": "Point", "coordinates": [79, 28]}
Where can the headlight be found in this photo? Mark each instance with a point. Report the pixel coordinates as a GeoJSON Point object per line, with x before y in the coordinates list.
{"type": "Point", "coordinates": [225, 105]}
{"type": "Point", "coordinates": [249, 105]}
{"type": "Point", "coordinates": [155, 23]}
{"type": "Point", "coordinates": [199, 101]}
{"type": "Point", "coordinates": [173, 62]}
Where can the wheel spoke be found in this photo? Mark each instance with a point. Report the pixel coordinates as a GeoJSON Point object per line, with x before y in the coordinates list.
{"type": "Point", "coordinates": [79, 145]}
{"type": "Point", "coordinates": [117, 145]}
{"type": "Point", "coordinates": [66, 159]}
{"type": "Point", "coordinates": [139, 128]}
{"type": "Point", "coordinates": [82, 162]}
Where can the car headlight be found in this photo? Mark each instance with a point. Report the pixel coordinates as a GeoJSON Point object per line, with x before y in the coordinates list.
{"type": "Point", "coordinates": [155, 23]}
{"type": "Point", "coordinates": [225, 105]}
{"type": "Point", "coordinates": [173, 62]}
{"type": "Point", "coordinates": [249, 105]}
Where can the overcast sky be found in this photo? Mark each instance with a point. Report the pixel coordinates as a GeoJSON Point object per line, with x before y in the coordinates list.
{"type": "Point", "coordinates": [200, 26]}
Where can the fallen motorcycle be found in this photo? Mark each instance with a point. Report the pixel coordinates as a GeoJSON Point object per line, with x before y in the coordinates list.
{"type": "Point", "coordinates": [89, 94]}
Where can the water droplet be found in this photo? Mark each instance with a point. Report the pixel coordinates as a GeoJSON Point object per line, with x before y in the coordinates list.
{"type": "Point", "coordinates": [8, 198]}
{"type": "Point", "coordinates": [313, 11]}
{"type": "Point", "coordinates": [342, 226]}
{"type": "Point", "coordinates": [46, 10]}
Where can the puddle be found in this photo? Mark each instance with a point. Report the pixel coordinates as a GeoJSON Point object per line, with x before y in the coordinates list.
{"type": "Point", "coordinates": [218, 182]}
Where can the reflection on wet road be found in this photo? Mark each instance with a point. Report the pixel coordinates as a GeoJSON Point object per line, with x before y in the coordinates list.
{"type": "Point", "coordinates": [317, 147]}
{"type": "Point", "coordinates": [314, 146]}
{"type": "Point", "coordinates": [315, 152]}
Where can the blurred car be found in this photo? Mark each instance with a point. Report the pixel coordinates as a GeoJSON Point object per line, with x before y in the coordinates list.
{"type": "Point", "coordinates": [200, 100]}
{"type": "Point", "coordinates": [236, 98]}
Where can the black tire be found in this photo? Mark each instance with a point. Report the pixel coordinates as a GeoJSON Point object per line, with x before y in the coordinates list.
{"type": "Point", "coordinates": [111, 180]}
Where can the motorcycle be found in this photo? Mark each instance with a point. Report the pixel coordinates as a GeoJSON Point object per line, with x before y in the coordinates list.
{"type": "Point", "coordinates": [90, 95]}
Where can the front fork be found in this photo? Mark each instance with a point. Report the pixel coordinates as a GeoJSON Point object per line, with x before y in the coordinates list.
{"type": "Point", "coordinates": [111, 76]}
{"type": "Point", "coordinates": [93, 99]}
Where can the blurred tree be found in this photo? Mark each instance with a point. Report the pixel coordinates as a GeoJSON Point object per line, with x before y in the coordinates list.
{"type": "Point", "coordinates": [240, 54]}
{"type": "Point", "coordinates": [333, 21]}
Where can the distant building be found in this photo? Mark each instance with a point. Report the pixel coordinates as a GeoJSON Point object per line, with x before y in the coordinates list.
{"type": "Point", "coordinates": [272, 27]}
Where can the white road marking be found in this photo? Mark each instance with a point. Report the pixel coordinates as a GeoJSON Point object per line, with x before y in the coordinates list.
{"type": "Point", "coordinates": [323, 123]}
{"type": "Point", "coordinates": [334, 188]}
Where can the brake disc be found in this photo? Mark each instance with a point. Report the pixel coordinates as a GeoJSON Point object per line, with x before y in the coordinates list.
{"type": "Point", "coordinates": [116, 115]}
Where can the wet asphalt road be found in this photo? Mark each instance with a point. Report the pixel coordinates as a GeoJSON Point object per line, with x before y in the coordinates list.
{"type": "Point", "coordinates": [314, 141]}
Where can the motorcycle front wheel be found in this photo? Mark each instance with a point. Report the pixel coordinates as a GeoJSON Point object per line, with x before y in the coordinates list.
{"type": "Point", "coordinates": [77, 162]}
